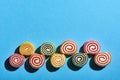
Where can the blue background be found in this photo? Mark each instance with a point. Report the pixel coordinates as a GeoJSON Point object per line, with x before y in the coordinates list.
{"type": "Point", "coordinates": [39, 21]}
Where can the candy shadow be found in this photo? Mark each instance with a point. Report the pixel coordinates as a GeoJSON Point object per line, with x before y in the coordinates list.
{"type": "Point", "coordinates": [67, 56]}
{"type": "Point", "coordinates": [49, 67]}
{"type": "Point", "coordinates": [90, 56]}
{"type": "Point", "coordinates": [8, 66]}
{"type": "Point", "coordinates": [38, 50]}
{"type": "Point", "coordinates": [72, 66]}
{"type": "Point", "coordinates": [28, 68]}
{"type": "Point", "coordinates": [94, 66]}
{"type": "Point", "coordinates": [82, 49]}
{"type": "Point", "coordinates": [58, 49]}
{"type": "Point", "coordinates": [17, 50]}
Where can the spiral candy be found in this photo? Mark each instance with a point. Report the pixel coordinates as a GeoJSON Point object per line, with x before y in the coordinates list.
{"type": "Point", "coordinates": [57, 60]}
{"type": "Point", "coordinates": [26, 48]}
{"type": "Point", "coordinates": [68, 47]}
{"type": "Point", "coordinates": [91, 47]}
{"type": "Point", "coordinates": [16, 60]}
{"type": "Point", "coordinates": [79, 59]}
{"type": "Point", "coordinates": [102, 59]}
{"type": "Point", "coordinates": [47, 48]}
{"type": "Point", "coordinates": [37, 60]}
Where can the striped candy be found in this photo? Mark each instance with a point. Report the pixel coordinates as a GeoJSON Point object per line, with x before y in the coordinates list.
{"type": "Point", "coordinates": [102, 59]}
{"type": "Point", "coordinates": [91, 47]}
{"type": "Point", "coordinates": [26, 49]}
{"type": "Point", "coordinates": [37, 60]}
{"type": "Point", "coordinates": [79, 59]}
{"type": "Point", "coordinates": [57, 60]}
{"type": "Point", "coordinates": [68, 47]}
{"type": "Point", "coordinates": [48, 48]}
{"type": "Point", "coordinates": [16, 60]}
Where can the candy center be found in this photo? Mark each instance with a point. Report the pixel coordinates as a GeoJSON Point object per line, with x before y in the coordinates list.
{"type": "Point", "coordinates": [102, 59]}
{"type": "Point", "coordinates": [58, 59]}
{"type": "Point", "coordinates": [48, 49]}
{"type": "Point", "coordinates": [26, 48]}
{"type": "Point", "coordinates": [37, 60]}
{"type": "Point", "coordinates": [79, 59]}
{"type": "Point", "coordinates": [69, 47]}
{"type": "Point", "coordinates": [92, 47]}
{"type": "Point", "coordinates": [16, 60]}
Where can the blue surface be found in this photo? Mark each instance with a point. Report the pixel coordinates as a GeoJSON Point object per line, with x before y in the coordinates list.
{"type": "Point", "coordinates": [39, 21]}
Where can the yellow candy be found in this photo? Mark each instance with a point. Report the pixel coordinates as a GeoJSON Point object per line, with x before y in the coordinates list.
{"type": "Point", "coordinates": [58, 60]}
{"type": "Point", "coordinates": [27, 49]}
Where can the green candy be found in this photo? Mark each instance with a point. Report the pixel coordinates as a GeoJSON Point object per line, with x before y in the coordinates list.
{"type": "Point", "coordinates": [79, 59]}
{"type": "Point", "coordinates": [47, 48]}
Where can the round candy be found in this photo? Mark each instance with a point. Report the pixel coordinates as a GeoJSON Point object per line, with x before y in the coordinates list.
{"type": "Point", "coordinates": [68, 47]}
{"type": "Point", "coordinates": [37, 60]}
{"type": "Point", "coordinates": [47, 48]}
{"type": "Point", "coordinates": [102, 59]}
{"type": "Point", "coordinates": [27, 49]}
{"type": "Point", "coordinates": [57, 60]}
{"type": "Point", "coordinates": [91, 47]}
{"type": "Point", "coordinates": [16, 60]}
{"type": "Point", "coordinates": [79, 59]}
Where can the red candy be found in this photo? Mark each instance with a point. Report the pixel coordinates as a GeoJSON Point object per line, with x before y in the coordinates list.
{"type": "Point", "coordinates": [102, 59]}
{"type": "Point", "coordinates": [16, 60]}
{"type": "Point", "coordinates": [37, 60]}
{"type": "Point", "coordinates": [91, 47]}
{"type": "Point", "coordinates": [68, 47]}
